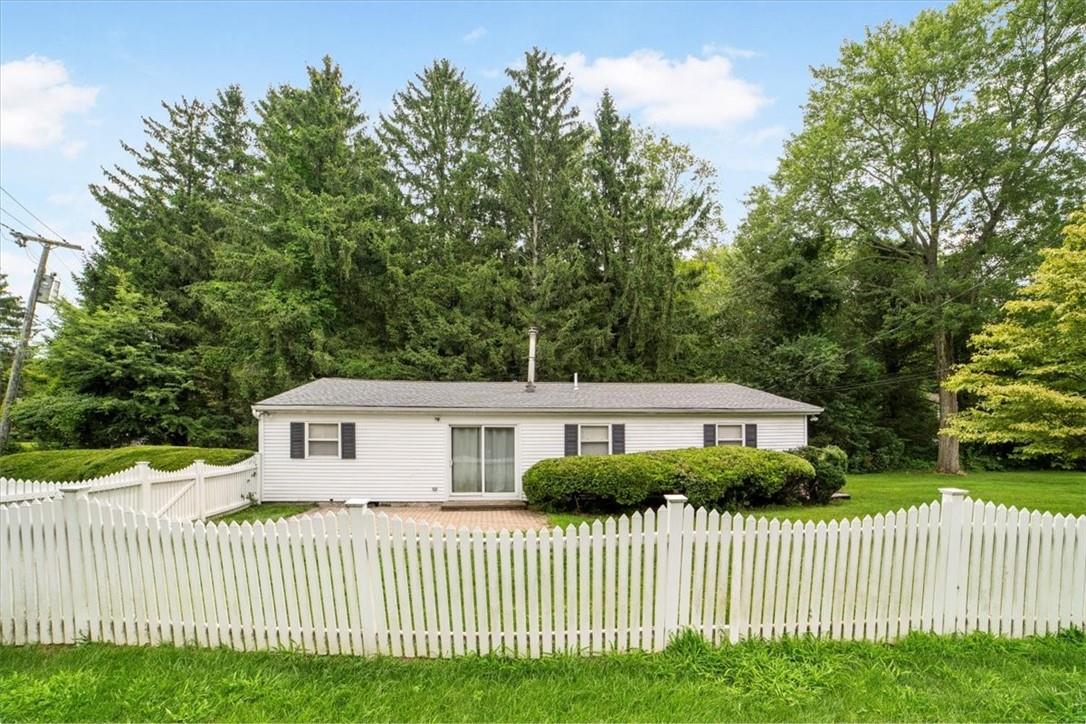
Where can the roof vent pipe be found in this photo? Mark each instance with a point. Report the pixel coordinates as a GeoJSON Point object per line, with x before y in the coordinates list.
{"type": "Point", "coordinates": [532, 332]}
{"type": "Point", "coordinates": [574, 381]}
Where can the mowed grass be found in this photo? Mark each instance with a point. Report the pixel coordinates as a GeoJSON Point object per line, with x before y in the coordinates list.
{"type": "Point", "coordinates": [265, 511]}
{"type": "Point", "coordinates": [922, 678]}
{"type": "Point", "coordinates": [1057, 491]}
{"type": "Point", "coordinates": [84, 464]}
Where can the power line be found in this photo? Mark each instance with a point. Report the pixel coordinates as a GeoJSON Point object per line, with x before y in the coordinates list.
{"type": "Point", "coordinates": [63, 263]}
{"type": "Point", "coordinates": [890, 380]}
{"type": "Point", "coordinates": [5, 226]}
{"type": "Point", "coordinates": [925, 312]}
{"type": "Point", "coordinates": [19, 355]}
{"type": "Point", "coordinates": [59, 235]}
{"type": "Point", "coordinates": [18, 221]}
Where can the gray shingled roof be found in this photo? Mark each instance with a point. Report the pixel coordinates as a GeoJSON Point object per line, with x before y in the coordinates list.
{"type": "Point", "coordinates": [639, 396]}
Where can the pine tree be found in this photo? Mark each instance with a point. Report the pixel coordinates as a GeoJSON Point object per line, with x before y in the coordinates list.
{"type": "Point", "coordinates": [538, 146]}
{"type": "Point", "coordinates": [456, 304]}
{"type": "Point", "coordinates": [12, 312]}
{"type": "Point", "coordinates": [111, 377]}
{"type": "Point", "coordinates": [159, 220]}
{"type": "Point", "coordinates": [302, 282]}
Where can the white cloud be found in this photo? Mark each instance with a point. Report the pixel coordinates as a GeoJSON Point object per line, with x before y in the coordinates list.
{"type": "Point", "coordinates": [692, 92]}
{"type": "Point", "coordinates": [71, 149]}
{"type": "Point", "coordinates": [760, 136]}
{"type": "Point", "coordinates": [475, 35]}
{"type": "Point", "coordinates": [36, 97]}
{"type": "Point", "coordinates": [729, 51]}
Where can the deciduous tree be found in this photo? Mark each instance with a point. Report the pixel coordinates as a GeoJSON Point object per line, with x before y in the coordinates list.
{"type": "Point", "coordinates": [1028, 372]}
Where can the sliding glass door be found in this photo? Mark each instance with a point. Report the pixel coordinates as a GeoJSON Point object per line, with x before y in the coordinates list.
{"type": "Point", "coordinates": [484, 460]}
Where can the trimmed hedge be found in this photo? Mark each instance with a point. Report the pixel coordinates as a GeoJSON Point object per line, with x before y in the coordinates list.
{"type": "Point", "coordinates": [87, 463]}
{"type": "Point", "coordinates": [725, 476]}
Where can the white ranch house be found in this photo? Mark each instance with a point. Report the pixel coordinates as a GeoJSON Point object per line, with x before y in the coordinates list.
{"type": "Point", "coordinates": [402, 441]}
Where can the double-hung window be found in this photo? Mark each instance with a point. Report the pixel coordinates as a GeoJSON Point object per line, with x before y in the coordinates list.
{"type": "Point", "coordinates": [729, 434]}
{"type": "Point", "coordinates": [322, 439]}
{"type": "Point", "coordinates": [595, 440]}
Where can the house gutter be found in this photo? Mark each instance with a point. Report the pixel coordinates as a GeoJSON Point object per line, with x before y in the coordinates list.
{"type": "Point", "coordinates": [537, 410]}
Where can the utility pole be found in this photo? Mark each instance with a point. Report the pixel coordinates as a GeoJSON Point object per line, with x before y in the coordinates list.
{"type": "Point", "coordinates": [28, 326]}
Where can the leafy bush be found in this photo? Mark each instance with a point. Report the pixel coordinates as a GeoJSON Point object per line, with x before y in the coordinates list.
{"type": "Point", "coordinates": [716, 476]}
{"type": "Point", "coordinates": [830, 465]}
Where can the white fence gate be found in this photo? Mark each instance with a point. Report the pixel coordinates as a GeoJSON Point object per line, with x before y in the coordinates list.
{"type": "Point", "coordinates": [197, 491]}
{"type": "Point", "coordinates": [357, 582]}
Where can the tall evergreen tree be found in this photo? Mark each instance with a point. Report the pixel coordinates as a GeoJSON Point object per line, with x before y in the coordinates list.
{"type": "Point", "coordinates": [302, 280]}
{"type": "Point", "coordinates": [538, 146]}
{"type": "Point", "coordinates": [12, 312]}
{"type": "Point", "coordinates": [112, 378]}
{"type": "Point", "coordinates": [454, 318]}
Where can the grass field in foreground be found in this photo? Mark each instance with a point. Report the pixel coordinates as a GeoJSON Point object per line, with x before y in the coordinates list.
{"type": "Point", "coordinates": [1057, 491]}
{"type": "Point", "coordinates": [922, 678]}
{"type": "Point", "coordinates": [81, 464]}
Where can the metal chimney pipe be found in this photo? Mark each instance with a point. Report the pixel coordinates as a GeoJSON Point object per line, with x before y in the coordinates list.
{"type": "Point", "coordinates": [574, 380]}
{"type": "Point", "coordinates": [532, 333]}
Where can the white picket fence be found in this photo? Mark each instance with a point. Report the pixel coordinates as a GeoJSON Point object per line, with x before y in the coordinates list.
{"type": "Point", "coordinates": [197, 491]}
{"type": "Point", "coordinates": [76, 569]}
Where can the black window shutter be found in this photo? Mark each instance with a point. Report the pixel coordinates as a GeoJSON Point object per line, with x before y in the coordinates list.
{"type": "Point", "coordinates": [750, 435]}
{"type": "Point", "coordinates": [297, 439]}
{"type": "Point", "coordinates": [618, 439]}
{"type": "Point", "coordinates": [709, 435]}
{"type": "Point", "coordinates": [571, 440]}
{"type": "Point", "coordinates": [346, 440]}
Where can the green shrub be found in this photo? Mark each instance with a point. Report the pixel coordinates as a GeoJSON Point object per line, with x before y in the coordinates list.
{"type": "Point", "coordinates": [716, 476]}
{"type": "Point", "coordinates": [830, 465]}
{"type": "Point", "coordinates": [84, 464]}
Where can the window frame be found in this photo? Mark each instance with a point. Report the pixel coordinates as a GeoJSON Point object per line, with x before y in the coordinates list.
{"type": "Point", "coordinates": [482, 428]}
{"type": "Point", "coordinates": [731, 441]}
{"type": "Point", "coordinates": [580, 437]}
{"type": "Point", "coordinates": [338, 440]}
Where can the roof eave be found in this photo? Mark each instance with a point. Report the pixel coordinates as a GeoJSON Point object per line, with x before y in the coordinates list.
{"type": "Point", "coordinates": [262, 407]}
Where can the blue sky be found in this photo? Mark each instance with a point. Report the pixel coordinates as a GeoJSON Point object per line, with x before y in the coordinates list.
{"type": "Point", "coordinates": [729, 79]}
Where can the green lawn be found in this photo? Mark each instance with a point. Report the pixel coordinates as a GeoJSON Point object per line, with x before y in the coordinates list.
{"type": "Point", "coordinates": [265, 511]}
{"type": "Point", "coordinates": [78, 464]}
{"type": "Point", "coordinates": [922, 678]}
{"type": "Point", "coordinates": [1048, 490]}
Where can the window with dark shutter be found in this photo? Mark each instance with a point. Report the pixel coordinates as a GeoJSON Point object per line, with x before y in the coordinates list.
{"type": "Point", "coordinates": [618, 439]}
{"type": "Point", "coordinates": [571, 440]}
{"type": "Point", "coordinates": [750, 436]}
{"type": "Point", "coordinates": [709, 435]}
{"type": "Point", "coordinates": [346, 440]}
{"type": "Point", "coordinates": [297, 439]}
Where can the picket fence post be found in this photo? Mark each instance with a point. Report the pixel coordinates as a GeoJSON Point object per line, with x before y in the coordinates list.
{"type": "Point", "coordinates": [258, 477]}
{"type": "Point", "coordinates": [143, 474]}
{"type": "Point", "coordinates": [951, 520]}
{"type": "Point", "coordinates": [73, 496]}
{"type": "Point", "coordinates": [201, 488]}
{"type": "Point", "coordinates": [673, 564]}
{"type": "Point", "coordinates": [365, 577]}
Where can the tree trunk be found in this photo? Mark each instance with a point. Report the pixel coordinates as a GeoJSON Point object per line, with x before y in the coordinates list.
{"type": "Point", "coordinates": [948, 461]}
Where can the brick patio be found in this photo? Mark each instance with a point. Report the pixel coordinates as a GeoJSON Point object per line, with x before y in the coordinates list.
{"type": "Point", "coordinates": [517, 519]}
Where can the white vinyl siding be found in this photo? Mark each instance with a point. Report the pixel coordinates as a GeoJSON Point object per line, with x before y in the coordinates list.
{"type": "Point", "coordinates": [408, 456]}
